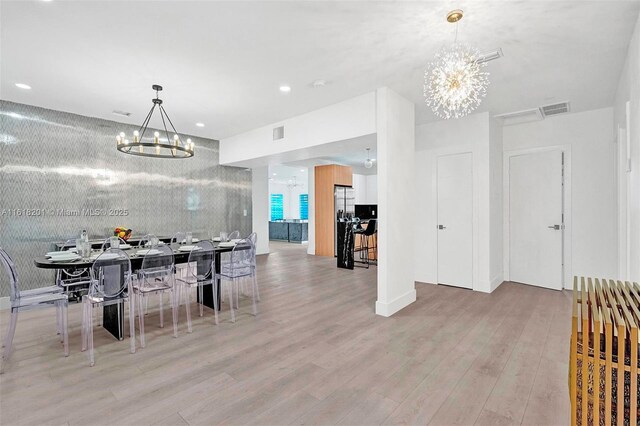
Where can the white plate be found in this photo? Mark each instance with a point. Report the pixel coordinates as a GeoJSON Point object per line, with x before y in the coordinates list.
{"type": "Point", "coordinates": [227, 244]}
{"type": "Point", "coordinates": [193, 240]}
{"type": "Point", "coordinates": [68, 258]}
{"type": "Point", "coordinates": [145, 252]}
{"type": "Point", "coordinates": [124, 246]}
{"type": "Point", "coordinates": [189, 248]}
{"type": "Point", "coordinates": [105, 256]}
{"type": "Point", "coordinates": [58, 253]}
{"type": "Point", "coordinates": [216, 239]}
{"type": "Point", "coordinates": [236, 240]}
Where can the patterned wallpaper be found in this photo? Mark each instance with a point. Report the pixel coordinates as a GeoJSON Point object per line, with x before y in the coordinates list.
{"type": "Point", "coordinates": [60, 173]}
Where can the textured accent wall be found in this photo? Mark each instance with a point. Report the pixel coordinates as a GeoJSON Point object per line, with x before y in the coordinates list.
{"type": "Point", "coordinates": [60, 173]}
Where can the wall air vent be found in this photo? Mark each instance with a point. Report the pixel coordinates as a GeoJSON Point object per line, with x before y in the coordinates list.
{"type": "Point", "coordinates": [489, 56]}
{"type": "Point", "coordinates": [278, 133]}
{"type": "Point", "coordinates": [555, 109]}
{"type": "Point", "coordinates": [524, 116]}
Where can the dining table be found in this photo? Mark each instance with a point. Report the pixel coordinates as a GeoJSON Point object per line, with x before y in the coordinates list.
{"type": "Point", "coordinates": [113, 318]}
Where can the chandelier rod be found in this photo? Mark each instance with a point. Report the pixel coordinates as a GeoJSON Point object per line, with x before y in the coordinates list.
{"type": "Point", "coordinates": [145, 123]}
{"type": "Point", "coordinates": [172, 127]}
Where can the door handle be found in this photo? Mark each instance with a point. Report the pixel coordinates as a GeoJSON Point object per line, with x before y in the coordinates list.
{"type": "Point", "coordinates": [556, 227]}
{"type": "Point", "coordinates": [442, 227]}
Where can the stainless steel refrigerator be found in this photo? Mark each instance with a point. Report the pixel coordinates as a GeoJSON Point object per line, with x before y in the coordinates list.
{"type": "Point", "coordinates": [344, 207]}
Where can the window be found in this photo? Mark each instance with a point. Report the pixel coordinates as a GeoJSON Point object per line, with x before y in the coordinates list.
{"type": "Point", "coordinates": [277, 210]}
{"type": "Point", "coordinates": [304, 206]}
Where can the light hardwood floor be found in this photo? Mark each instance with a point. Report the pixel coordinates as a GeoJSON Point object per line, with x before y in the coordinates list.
{"type": "Point", "coordinates": [315, 354]}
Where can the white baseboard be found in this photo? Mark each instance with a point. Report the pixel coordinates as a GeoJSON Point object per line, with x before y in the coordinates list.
{"type": "Point", "coordinates": [388, 309]}
{"type": "Point", "coordinates": [496, 281]}
{"type": "Point", "coordinates": [4, 303]}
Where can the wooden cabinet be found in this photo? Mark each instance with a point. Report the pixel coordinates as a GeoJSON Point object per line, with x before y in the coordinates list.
{"type": "Point", "coordinates": [326, 177]}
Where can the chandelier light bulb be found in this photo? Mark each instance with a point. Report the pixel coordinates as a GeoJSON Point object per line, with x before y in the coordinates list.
{"type": "Point", "coordinates": [156, 134]}
{"type": "Point", "coordinates": [122, 135]}
{"type": "Point", "coordinates": [136, 133]}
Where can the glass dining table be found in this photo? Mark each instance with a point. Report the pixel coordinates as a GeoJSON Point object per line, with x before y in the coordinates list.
{"type": "Point", "coordinates": [113, 317]}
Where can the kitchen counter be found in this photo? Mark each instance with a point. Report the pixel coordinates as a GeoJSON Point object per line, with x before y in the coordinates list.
{"type": "Point", "coordinates": [293, 232]}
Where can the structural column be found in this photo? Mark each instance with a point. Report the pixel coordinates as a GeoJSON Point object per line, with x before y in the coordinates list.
{"type": "Point", "coordinates": [395, 126]}
{"type": "Point", "coordinates": [260, 207]}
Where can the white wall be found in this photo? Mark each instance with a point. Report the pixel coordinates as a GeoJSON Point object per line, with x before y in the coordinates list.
{"type": "Point", "coordinates": [366, 188]}
{"type": "Point", "coordinates": [395, 118]}
{"type": "Point", "coordinates": [468, 134]}
{"type": "Point", "coordinates": [311, 185]}
{"type": "Point", "coordinates": [629, 182]}
{"type": "Point", "coordinates": [590, 138]}
{"type": "Point", "coordinates": [345, 120]}
{"type": "Point", "coordinates": [260, 207]}
{"type": "Point", "coordinates": [496, 203]}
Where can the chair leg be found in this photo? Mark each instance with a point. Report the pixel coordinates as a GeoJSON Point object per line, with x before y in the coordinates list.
{"type": "Point", "coordinates": [200, 293]}
{"type": "Point", "coordinates": [174, 298]}
{"type": "Point", "coordinates": [255, 280]}
{"type": "Point", "coordinates": [132, 325]}
{"type": "Point", "coordinates": [140, 298]}
{"type": "Point", "coordinates": [90, 336]}
{"type": "Point", "coordinates": [215, 298]}
{"type": "Point", "coordinates": [83, 329]}
{"type": "Point", "coordinates": [58, 321]}
{"type": "Point", "coordinates": [161, 310]}
{"type": "Point", "coordinates": [187, 303]}
{"type": "Point", "coordinates": [65, 331]}
{"type": "Point", "coordinates": [233, 314]}
{"type": "Point", "coordinates": [8, 341]}
{"type": "Point", "coordinates": [254, 286]}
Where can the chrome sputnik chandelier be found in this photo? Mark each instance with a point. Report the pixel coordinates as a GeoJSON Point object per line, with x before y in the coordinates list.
{"type": "Point", "coordinates": [455, 83]}
{"type": "Point", "coordinates": [156, 147]}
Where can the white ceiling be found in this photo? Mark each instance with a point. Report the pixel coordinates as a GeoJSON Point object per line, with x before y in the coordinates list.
{"type": "Point", "coordinates": [286, 174]}
{"type": "Point", "coordinates": [221, 63]}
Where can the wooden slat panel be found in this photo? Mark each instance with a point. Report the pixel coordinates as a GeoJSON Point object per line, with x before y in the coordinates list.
{"type": "Point", "coordinates": [585, 350]}
{"type": "Point", "coordinates": [596, 352]}
{"type": "Point", "coordinates": [573, 356]}
{"type": "Point", "coordinates": [325, 178]}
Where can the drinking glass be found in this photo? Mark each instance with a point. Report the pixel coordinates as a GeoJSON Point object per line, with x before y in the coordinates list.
{"type": "Point", "coordinates": [223, 236]}
{"type": "Point", "coordinates": [189, 238]}
{"type": "Point", "coordinates": [114, 242]}
{"type": "Point", "coordinates": [79, 245]}
{"type": "Point", "coordinates": [86, 250]}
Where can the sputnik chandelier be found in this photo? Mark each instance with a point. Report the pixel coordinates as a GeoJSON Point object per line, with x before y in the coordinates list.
{"type": "Point", "coordinates": [455, 83]}
{"type": "Point", "coordinates": [159, 148]}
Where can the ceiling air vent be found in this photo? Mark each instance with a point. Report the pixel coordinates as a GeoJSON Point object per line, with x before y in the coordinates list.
{"type": "Point", "coordinates": [555, 109]}
{"type": "Point", "coordinates": [524, 116]}
{"type": "Point", "coordinates": [278, 133]}
{"type": "Point", "coordinates": [121, 113]}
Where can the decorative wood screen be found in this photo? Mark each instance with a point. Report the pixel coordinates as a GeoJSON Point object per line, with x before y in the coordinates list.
{"type": "Point", "coordinates": [603, 363]}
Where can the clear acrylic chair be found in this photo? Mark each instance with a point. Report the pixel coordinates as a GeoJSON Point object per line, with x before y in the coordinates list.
{"type": "Point", "coordinates": [179, 237]}
{"type": "Point", "coordinates": [24, 300]}
{"type": "Point", "coordinates": [234, 235]}
{"type": "Point", "coordinates": [253, 237]}
{"type": "Point", "coordinates": [235, 267]}
{"type": "Point", "coordinates": [157, 276]}
{"type": "Point", "coordinates": [110, 285]}
{"type": "Point", "coordinates": [199, 271]}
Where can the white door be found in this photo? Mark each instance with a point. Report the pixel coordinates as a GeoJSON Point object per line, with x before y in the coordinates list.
{"type": "Point", "coordinates": [455, 220]}
{"type": "Point", "coordinates": [535, 219]}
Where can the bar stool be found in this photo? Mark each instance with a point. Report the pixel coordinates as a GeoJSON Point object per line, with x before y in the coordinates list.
{"type": "Point", "coordinates": [367, 241]}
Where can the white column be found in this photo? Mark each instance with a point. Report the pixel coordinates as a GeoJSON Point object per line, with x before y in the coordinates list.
{"type": "Point", "coordinates": [395, 122]}
{"type": "Point", "coordinates": [311, 190]}
{"type": "Point", "coordinates": [260, 207]}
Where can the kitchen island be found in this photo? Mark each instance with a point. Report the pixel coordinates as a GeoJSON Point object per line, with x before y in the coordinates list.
{"type": "Point", "coordinates": [292, 231]}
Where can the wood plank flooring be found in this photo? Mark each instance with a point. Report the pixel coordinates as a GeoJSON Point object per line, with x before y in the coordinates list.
{"type": "Point", "coordinates": [315, 354]}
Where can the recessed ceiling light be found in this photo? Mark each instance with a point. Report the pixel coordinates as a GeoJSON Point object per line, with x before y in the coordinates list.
{"type": "Point", "coordinates": [302, 170]}
{"type": "Point", "coordinates": [23, 86]}
{"type": "Point", "coordinates": [275, 174]}
{"type": "Point", "coordinates": [285, 89]}
{"type": "Point", "coordinates": [200, 124]}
